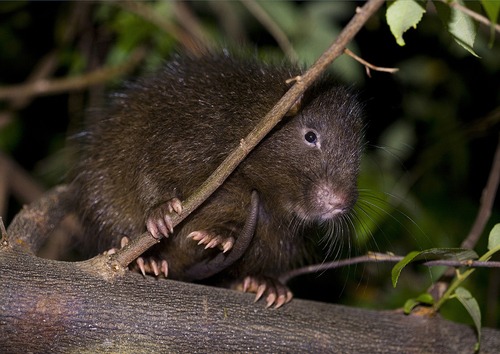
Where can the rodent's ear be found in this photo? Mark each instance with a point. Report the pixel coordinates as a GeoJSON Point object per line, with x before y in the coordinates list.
{"type": "Point", "coordinates": [295, 108]}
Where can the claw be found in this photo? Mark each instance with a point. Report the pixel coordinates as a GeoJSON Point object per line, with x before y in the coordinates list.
{"type": "Point", "coordinates": [140, 264]}
{"type": "Point", "coordinates": [212, 240]}
{"type": "Point", "coordinates": [281, 300]}
{"type": "Point", "coordinates": [162, 227]}
{"type": "Point", "coordinates": [260, 291]}
{"type": "Point", "coordinates": [246, 284]}
{"type": "Point", "coordinates": [110, 251]}
{"type": "Point", "coordinates": [213, 243]}
{"type": "Point", "coordinates": [159, 223]}
{"type": "Point", "coordinates": [271, 289]}
{"type": "Point", "coordinates": [175, 205]}
{"type": "Point", "coordinates": [124, 241]}
{"type": "Point", "coordinates": [154, 267]}
{"type": "Point", "coordinates": [168, 224]}
{"type": "Point", "coordinates": [151, 265]}
{"type": "Point", "coordinates": [195, 235]}
{"type": "Point", "coordinates": [152, 228]}
{"type": "Point", "coordinates": [227, 245]}
{"type": "Point", "coordinates": [164, 268]}
{"type": "Point", "coordinates": [270, 299]}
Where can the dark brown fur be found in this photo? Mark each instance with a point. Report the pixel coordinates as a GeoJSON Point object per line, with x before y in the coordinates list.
{"type": "Point", "coordinates": [163, 135]}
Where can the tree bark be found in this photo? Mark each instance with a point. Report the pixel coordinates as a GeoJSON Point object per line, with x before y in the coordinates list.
{"type": "Point", "coordinates": [62, 307]}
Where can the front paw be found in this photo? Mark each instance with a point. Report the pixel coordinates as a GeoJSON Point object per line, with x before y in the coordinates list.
{"type": "Point", "coordinates": [146, 265]}
{"type": "Point", "coordinates": [273, 290]}
{"type": "Point", "coordinates": [159, 222]}
{"type": "Point", "coordinates": [212, 240]}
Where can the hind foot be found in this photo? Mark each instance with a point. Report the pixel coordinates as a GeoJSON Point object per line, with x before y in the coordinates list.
{"type": "Point", "coordinates": [271, 289]}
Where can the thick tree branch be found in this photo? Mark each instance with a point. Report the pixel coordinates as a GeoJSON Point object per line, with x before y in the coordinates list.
{"type": "Point", "coordinates": [63, 307]}
{"type": "Point", "coordinates": [34, 223]}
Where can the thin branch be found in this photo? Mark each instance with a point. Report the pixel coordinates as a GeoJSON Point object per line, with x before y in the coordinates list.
{"type": "Point", "coordinates": [478, 17]}
{"type": "Point", "coordinates": [192, 44]}
{"type": "Point", "coordinates": [48, 87]}
{"type": "Point", "coordinates": [19, 182]}
{"type": "Point", "coordinates": [489, 192]}
{"type": "Point", "coordinates": [468, 264]}
{"type": "Point", "coordinates": [189, 21]}
{"type": "Point", "coordinates": [272, 27]}
{"type": "Point", "coordinates": [368, 258]}
{"type": "Point", "coordinates": [126, 255]}
{"type": "Point", "coordinates": [232, 25]}
{"type": "Point", "coordinates": [487, 199]}
{"type": "Point", "coordinates": [49, 63]}
{"type": "Point", "coordinates": [43, 69]}
{"type": "Point", "coordinates": [374, 257]}
{"type": "Point", "coordinates": [369, 65]}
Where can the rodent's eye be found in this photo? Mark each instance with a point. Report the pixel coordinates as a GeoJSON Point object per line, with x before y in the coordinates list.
{"type": "Point", "coordinates": [311, 137]}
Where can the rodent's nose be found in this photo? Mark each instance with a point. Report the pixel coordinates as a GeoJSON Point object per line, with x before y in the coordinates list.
{"type": "Point", "coordinates": [330, 203]}
{"type": "Point", "coordinates": [335, 207]}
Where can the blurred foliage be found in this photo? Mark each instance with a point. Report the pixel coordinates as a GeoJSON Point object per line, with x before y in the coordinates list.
{"type": "Point", "coordinates": [431, 128]}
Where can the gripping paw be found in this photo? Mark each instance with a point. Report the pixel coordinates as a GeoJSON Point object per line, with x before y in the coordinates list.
{"type": "Point", "coordinates": [211, 240]}
{"type": "Point", "coordinates": [159, 223]}
{"type": "Point", "coordinates": [149, 265]}
{"type": "Point", "coordinates": [274, 292]}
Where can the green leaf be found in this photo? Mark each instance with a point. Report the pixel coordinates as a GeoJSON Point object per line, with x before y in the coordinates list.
{"type": "Point", "coordinates": [460, 25]}
{"type": "Point", "coordinates": [402, 15]}
{"type": "Point", "coordinates": [396, 270]}
{"type": "Point", "coordinates": [494, 238]}
{"type": "Point", "coordinates": [424, 298]}
{"type": "Point", "coordinates": [472, 307]}
{"type": "Point", "coordinates": [458, 254]}
{"type": "Point", "coordinates": [492, 8]}
{"type": "Point", "coordinates": [409, 305]}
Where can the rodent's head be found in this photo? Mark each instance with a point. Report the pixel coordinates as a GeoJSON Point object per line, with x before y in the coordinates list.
{"type": "Point", "coordinates": [309, 164]}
